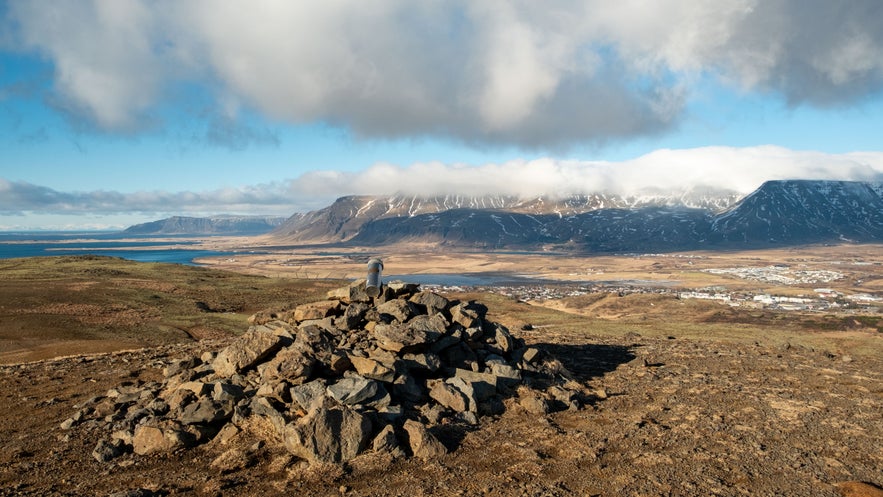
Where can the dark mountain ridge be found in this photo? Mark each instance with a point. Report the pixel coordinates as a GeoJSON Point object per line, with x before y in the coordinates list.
{"type": "Point", "coordinates": [777, 213]}
{"type": "Point", "coordinates": [219, 225]}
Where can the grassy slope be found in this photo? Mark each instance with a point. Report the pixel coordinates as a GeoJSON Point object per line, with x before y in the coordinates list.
{"type": "Point", "coordinates": [81, 304]}
{"type": "Point", "coordinates": [607, 315]}
{"type": "Point", "coordinates": [101, 299]}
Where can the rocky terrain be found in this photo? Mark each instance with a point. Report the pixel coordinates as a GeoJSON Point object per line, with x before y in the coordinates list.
{"type": "Point", "coordinates": [332, 378]}
{"type": "Point", "coordinates": [625, 414]}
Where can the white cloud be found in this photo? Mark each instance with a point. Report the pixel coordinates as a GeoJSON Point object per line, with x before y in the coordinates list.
{"type": "Point", "coordinates": [737, 169]}
{"type": "Point", "coordinates": [500, 72]}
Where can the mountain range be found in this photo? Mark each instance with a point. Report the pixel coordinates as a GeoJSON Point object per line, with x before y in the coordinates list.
{"type": "Point", "coordinates": [777, 213]}
{"type": "Point", "coordinates": [219, 225]}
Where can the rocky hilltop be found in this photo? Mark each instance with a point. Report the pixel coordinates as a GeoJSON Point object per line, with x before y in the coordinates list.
{"type": "Point", "coordinates": [332, 379]}
{"type": "Point", "coordinates": [664, 416]}
{"type": "Point", "coordinates": [777, 213]}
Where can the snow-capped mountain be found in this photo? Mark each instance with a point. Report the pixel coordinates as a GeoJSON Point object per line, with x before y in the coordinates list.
{"type": "Point", "coordinates": [805, 211]}
{"type": "Point", "coordinates": [779, 212]}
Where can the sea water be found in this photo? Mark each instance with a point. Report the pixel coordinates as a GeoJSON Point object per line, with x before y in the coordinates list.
{"type": "Point", "coordinates": [114, 244]}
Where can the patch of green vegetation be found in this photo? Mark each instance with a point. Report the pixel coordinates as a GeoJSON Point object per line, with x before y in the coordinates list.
{"type": "Point", "coordinates": [94, 297]}
{"type": "Point", "coordinates": [867, 322]}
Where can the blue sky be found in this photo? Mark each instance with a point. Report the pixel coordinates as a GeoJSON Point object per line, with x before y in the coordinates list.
{"type": "Point", "coordinates": [122, 111]}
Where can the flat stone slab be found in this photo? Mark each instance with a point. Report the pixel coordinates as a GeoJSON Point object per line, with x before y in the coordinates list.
{"type": "Point", "coordinates": [256, 344]}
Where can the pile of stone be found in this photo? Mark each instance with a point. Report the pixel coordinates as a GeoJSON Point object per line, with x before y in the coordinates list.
{"type": "Point", "coordinates": [332, 379]}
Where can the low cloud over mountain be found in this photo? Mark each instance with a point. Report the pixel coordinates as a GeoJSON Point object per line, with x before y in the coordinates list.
{"type": "Point", "coordinates": [665, 172]}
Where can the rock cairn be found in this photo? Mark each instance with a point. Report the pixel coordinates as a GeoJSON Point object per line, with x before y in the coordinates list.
{"type": "Point", "coordinates": [332, 379]}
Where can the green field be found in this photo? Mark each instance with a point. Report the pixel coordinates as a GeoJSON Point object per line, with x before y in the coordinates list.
{"type": "Point", "coordinates": [73, 303]}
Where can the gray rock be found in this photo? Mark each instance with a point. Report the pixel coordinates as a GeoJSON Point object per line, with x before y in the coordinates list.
{"type": "Point", "coordinates": [256, 344]}
{"type": "Point", "coordinates": [458, 356]}
{"type": "Point", "coordinates": [263, 408]}
{"type": "Point", "coordinates": [355, 292]}
{"type": "Point", "coordinates": [316, 310]}
{"type": "Point", "coordinates": [423, 444]}
{"type": "Point", "coordinates": [329, 435]}
{"type": "Point", "coordinates": [468, 417]}
{"type": "Point", "coordinates": [431, 301]}
{"type": "Point", "coordinates": [473, 334]}
{"type": "Point", "coordinates": [227, 392]}
{"type": "Point", "coordinates": [207, 411]}
{"type": "Point", "coordinates": [506, 375]}
{"type": "Point", "coordinates": [386, 440]}
{"type": "Point", "coordinates": [448, 396]}
{"type": "Point", "coordinates": [291, 364]}
{"type": "Point", "coordinates": [468, 314]}
{"type": "Point", "coordinates": [125, 436]}
{"type": "Point", "coordinates": [503, 338]}
{"type": "Point", "coordinates": [353, 315]}
{"type": "Point", "coordinates": [534, 404]}
{"type": "Point", "coordinates": [354, 390]}
{"type": "Point", "coordinates": [433, 413]}
{"type": "Point", "coordinates": [198, 388]}
{"type": "Point", "coordinates": [372, 369]}
{"type": "Point", "coordinates": [406, 387]}
{"type": "Point", "coordinates": [134, 415]}
{"type": "Point", "coordinates": [467, 390]}
{"type": "Point", "coordinates": [176, 366]}
{"type": "Point", "coordinates": [483, 384]}
{"type": "Point", "coordinates": [423, 362]}
{"type": "Point", "coordinates": [166, 437]}
{"type": "Point", "coordinates": [274, 389]}
{"type": "Point", "coordinates": [434, 326]}
{"type": "Point", "coordinates": [531, 355]}
{"type": "Point", "coordinates": [316, 341]}
{"type": "Point", "coordinates": [178, 399]}
{"type": "Point", "coordinates": [444, 342]}
{"type": "Point", "coordinates": [399, 338]}
{"type": "Point", "coordinates": [326, 324]}
{"type": "Point", "coordinates": [339, 362]}
{"type": "Point", "coordinates": [390, 413]}
{"type": "Point", "coordinates": [401, 288]}
{"type": "Point", "coordinates": [106, 450]}
{"type": "Point", "coordinates": [308, 393]}
{"type": "Point", "coordinates": [400, 310]}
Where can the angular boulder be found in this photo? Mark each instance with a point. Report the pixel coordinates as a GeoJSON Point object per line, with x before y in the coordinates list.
{"type": "Point", "coordinates": [256, 344]}
{"type": "Point", "coordinates": [329, 435]}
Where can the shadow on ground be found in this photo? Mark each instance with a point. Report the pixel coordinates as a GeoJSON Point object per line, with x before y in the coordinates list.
{"type": "Point", "coordinates": [583, 363]}
{"type": "Point", "coordinates": [589, 361]}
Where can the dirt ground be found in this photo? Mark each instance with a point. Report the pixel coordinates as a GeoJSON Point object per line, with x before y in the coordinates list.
{"type": "Point", "coordinates": [671, 417]}
{"type": "Point", "coordinates": [680, 407]}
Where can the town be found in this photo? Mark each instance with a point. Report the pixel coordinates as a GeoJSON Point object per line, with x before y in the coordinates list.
{"type": "Point", "coordinates": [820, 299]}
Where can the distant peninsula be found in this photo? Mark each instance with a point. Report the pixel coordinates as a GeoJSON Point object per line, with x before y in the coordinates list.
{"type": "Point", "coordinates": [217, 225]}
